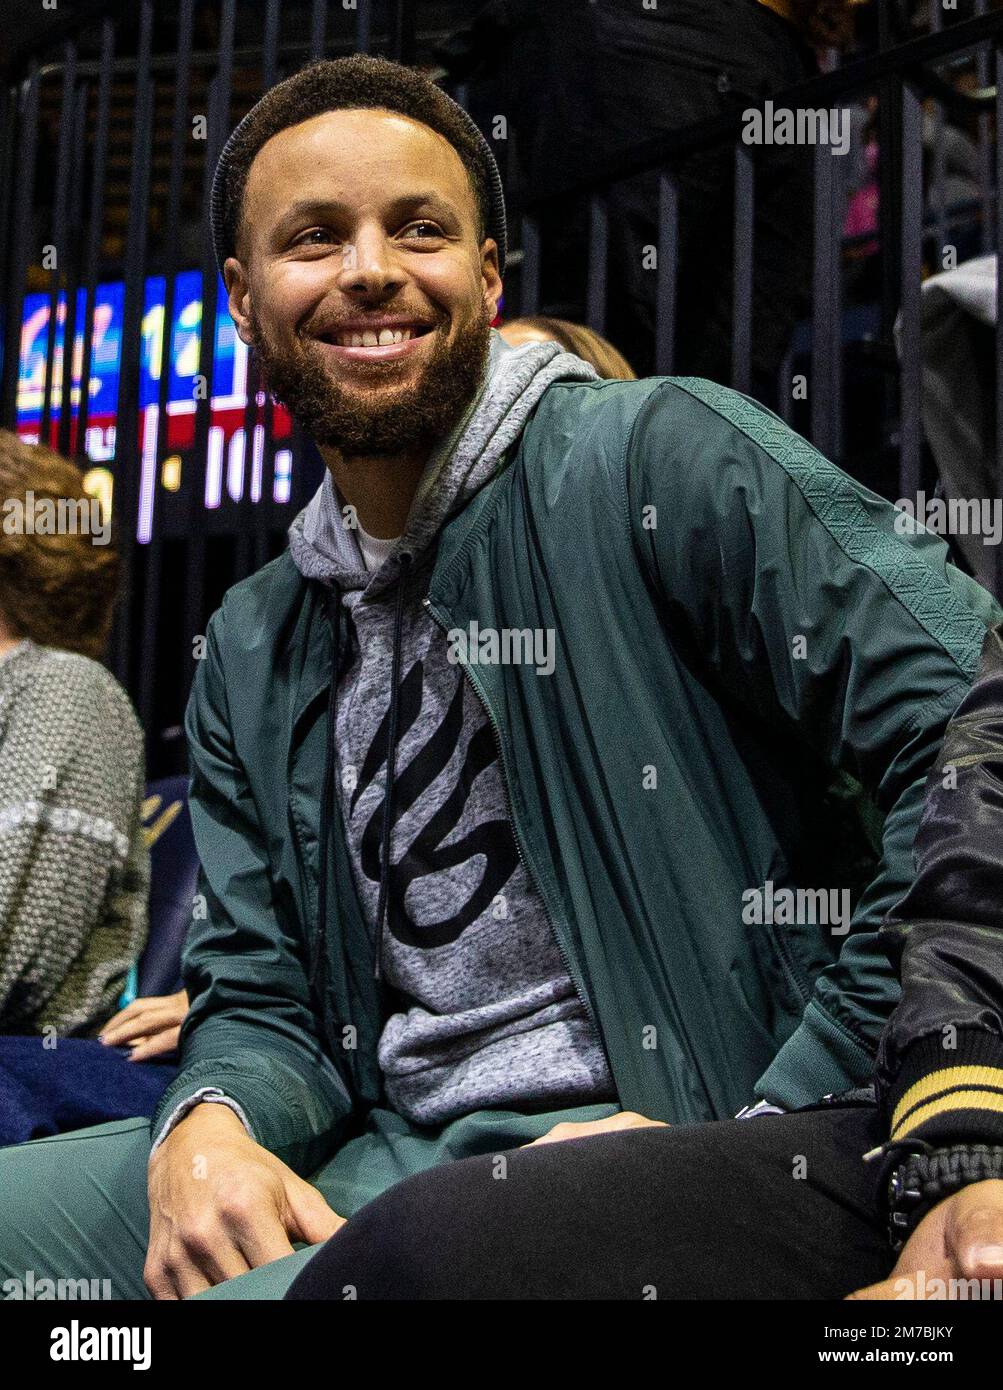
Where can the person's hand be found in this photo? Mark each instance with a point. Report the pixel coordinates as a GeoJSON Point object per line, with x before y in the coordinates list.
{"type": "Point", "coordinates": [960, 1238]}
{"type": "Point", "coordinates": [624, 1119]}
{"type": "Point", "coordinates": [151, 1026]}
{"type": "Point", "coordinates": [220, 1205]}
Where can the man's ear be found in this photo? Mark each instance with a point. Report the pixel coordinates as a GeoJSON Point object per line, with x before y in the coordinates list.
{"type": "Point", "coordinates": [238, 298]}
{"type": "Point", "coordinates": [490, 278]}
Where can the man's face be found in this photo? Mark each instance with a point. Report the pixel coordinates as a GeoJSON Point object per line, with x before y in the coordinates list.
{"type": "Point", "coordinates": [362, 282]}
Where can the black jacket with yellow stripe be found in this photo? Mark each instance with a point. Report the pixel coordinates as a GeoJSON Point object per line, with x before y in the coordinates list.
{"type": "Point", "coordinates": [940, 1063]}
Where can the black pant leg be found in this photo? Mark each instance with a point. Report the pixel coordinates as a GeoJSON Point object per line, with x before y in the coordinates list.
{"type": "Point", "coordinates": [780, 1207]}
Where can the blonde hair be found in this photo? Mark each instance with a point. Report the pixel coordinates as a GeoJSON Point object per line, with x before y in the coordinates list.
{"type": "Point", "coordinates": [583, 342]}
{"type": "Point", "coordinates": [60, 589]}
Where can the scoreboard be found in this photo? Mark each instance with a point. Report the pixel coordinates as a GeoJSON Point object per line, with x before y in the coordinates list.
{"type": "Point", "coordinates": [230, 465]}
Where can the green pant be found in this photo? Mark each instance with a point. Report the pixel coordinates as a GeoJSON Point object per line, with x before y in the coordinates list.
{"type": "Point", "coordinates": [73, 1207]}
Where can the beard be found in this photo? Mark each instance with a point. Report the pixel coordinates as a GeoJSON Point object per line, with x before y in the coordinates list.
{"type": "Point", "coordinates": [381, 421]}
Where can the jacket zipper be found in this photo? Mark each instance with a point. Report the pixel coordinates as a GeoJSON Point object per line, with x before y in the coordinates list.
{"type": "Point", "coordinates": [516, 833]}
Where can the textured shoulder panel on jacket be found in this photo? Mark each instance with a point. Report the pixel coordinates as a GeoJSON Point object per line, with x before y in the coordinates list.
{"type": "Point", "coordinates": [834, 497]}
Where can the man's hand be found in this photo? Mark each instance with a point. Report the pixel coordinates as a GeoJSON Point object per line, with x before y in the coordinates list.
{"type": "Point", "coordinates": [220, 1205]}
{"type": "Point", "coordinates": [624, 1119]}
{"type": "Point", "coordinates": [150, 1025]}
{"type": "Point", "coordinates": [961, 1238]}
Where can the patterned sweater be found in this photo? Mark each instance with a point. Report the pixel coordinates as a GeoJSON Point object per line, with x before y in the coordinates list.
{"type": "Point", "coordinates": [74, 867]}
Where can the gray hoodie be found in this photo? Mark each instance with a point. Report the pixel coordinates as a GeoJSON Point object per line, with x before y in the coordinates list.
{"type": "Point", "coordinates": [486, 1012]}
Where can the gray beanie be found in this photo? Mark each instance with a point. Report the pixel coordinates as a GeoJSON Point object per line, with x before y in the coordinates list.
{"type": "Point", "coordinates": [340, 84]}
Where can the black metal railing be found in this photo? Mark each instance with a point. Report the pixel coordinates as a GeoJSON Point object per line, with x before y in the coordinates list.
{"type": "Point", "coordinates": [903, 76]}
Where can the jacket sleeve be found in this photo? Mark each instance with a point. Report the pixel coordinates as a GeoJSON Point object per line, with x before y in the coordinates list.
{"type": "Point", "coordinates": [250, 1029]}
{"type": "Point", "coordinates": [940, 1064]}
{"type": "Point", "coordinates": [826, 612]}
{"type": "Point", "coordinates": [73, 867]}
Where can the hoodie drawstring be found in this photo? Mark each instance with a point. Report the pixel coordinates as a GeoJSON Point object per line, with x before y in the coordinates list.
{"type": "Point", "coordinates": [395, 675]}
{"type": "Point", "coordinates": [318, 966]}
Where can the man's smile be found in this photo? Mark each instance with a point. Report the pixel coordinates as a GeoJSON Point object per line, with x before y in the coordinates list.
{"type": "Point", "coordinates": [374, 340]}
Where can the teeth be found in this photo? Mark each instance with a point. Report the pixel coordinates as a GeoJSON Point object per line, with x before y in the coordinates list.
{"type": "Point", "coordinates": [385, 338]}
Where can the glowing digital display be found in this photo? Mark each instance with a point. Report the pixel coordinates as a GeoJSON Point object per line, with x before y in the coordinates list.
{"type": "Point", "coordinates": [228, 465]}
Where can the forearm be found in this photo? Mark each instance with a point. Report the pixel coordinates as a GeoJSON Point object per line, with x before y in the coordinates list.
{"type": "Point", "coordinates": [289, 1097]}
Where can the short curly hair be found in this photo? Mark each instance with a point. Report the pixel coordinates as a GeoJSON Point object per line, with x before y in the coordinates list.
{"type": "Point", "coordinates": [360, 81]}
{"type": "Point", "coordinates": [59, 590]}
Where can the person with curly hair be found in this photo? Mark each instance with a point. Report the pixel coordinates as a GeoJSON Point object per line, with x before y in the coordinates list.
{"type": "Point", "coordinates": [74, 867]}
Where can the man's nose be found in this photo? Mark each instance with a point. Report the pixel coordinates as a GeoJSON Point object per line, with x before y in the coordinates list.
{"type": "Point", "coordinates": [368, 265]}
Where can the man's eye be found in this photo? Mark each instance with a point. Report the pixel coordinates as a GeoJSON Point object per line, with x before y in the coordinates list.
{"type": "Point", "coordinates": [422, 230]}
{"type": "Point", "coordinates": [307, 238]}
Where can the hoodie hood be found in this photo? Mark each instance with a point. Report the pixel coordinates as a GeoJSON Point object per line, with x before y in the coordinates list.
{"type": "Point", "coordinates": [323, 548]}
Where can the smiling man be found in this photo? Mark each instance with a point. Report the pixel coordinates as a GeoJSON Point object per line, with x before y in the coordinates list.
{"type": "Point", "coordinates": [448, 906]}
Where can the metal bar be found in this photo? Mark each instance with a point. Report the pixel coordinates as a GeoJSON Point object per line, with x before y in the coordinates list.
{"type": "Point", "coordinates": [937, 188]}
{"type": "Point", "coordinates": [998, 230]}
{"type": "Point", "coordinates": [150, 646]}
{"type": "Point", "coordinates": [529, 271]}
{"type": "Point", "coordinates": [741, 314]}
{"type": "Point", "coordinates": [270, 44]}
{"type": "Point", "coordinates": [67, 130]}
{"type": "Point", "coordinates": [318, 24]}
{"type": "Point", "coordinates": [251, 516]}
{"type": "Point", "coordinates": [929, 49]}
{"type": "Point", "coordinates": [8, 126]}
{"type": "Point", "coordinates": [290, 52]}
{"type": "Point", "coordinates": [363, 26]}
{"type": "Point", "coordinates": [251, 513]}
{"type": "Point", "coordinates": [194, 481]}
{"type": "Point", "coordinates": [598, 257]}
{"type": "Point", "coordinates": [20, 249]}
{"type": "Point", "coordinates": [826, 316]}
{"type": "Point", "coordinates": [666, 284]}
{"type": "Point", "coordinates": [67, 444]}
{"type": "Point", "coordinates": [267, 504]}
{"type": "Point", "coordinates": [96, 225]}
{"type": "Point", "coordinates": [985, 143]}
{"type": "Point", "coordinates": [785, 404]}
{"type": "Point", "coordinates": [219, 118]}
{"type": "Point", "coordinates": [125, 466]}
{"type": "Point", "coordinates": [911, 262]}
{"type": "Point", "coordinates": [262, 417]}
{"type": "Point", "coordinates": [404, 34]}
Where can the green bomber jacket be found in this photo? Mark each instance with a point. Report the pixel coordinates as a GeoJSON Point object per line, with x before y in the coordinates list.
{"type": "Point", "coordinates": [756, 659]}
